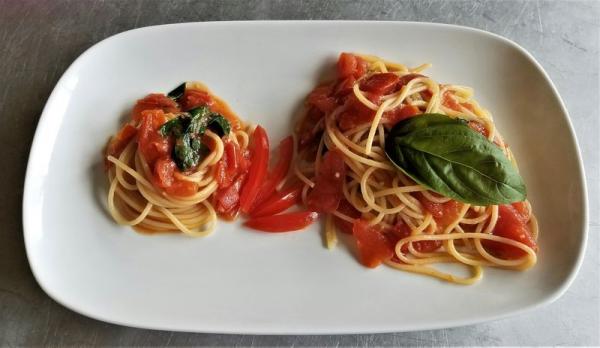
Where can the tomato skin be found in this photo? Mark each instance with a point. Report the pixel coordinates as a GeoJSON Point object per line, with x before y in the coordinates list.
{"type": "Point", "coordinates": [351, 65]}
{"type": "Point", "coordinates": [373, 246]}
{"type": "Point", "coordinates": [382, 83]}
{"type": "Point", "coordinates": [400, 113]}
{"type": "Point", "coordinates": [279, 201]}
{"type": "Point", "coordinates": [151, 144]}
{"type": "Point", "coordinates": [511, 224]}
{"type": "Point", "coordinates": [280, 171]}
{"type": "Point", "coordinates": [117, 143]}
{"type": "Point", "coordinates": [347, 209]}
{"type": "Point", "coordinates": [328, 191]}
{"type": "Point", "coordinates": [405, 79]}
{"type": "Point", "coordinates": [310, 127]}
{"type": "Point", "coordinates": [344, 87]}
{"type": "Point", "coordinates": [152, 102]}
{"type": "Point", "coordinates": [283, 222]}
{"type": "Point", "coordinates": [259, 156]}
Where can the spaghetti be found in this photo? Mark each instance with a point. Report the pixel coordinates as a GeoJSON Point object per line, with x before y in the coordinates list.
{"type": "Point", "coordinates": [163, 167]}
{"type": "Point", "coordinates": [345, 173]}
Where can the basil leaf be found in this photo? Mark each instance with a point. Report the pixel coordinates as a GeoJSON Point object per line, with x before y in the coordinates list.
{"type": "Point", "coordinates": [200, 117]}
{"type": "Point", "coordinates": [177, 92]}
{"type": "Point", "coordinates": [219, 125]}
{"type": "Point", "coordinates": [175, 126]}
{"type": "Point", "coordinates": [448, 157]}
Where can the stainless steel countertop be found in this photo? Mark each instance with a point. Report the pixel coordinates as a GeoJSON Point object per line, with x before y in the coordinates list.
{"type": "Point", "coordinates": [41, 39]}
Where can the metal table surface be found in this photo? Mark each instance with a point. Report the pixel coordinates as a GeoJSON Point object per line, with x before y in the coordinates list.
{"type": "Point", "coordinates": [40, 40]}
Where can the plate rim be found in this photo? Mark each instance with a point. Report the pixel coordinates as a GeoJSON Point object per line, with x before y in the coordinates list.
{"type": "Point", "coordinates": [45, 117]}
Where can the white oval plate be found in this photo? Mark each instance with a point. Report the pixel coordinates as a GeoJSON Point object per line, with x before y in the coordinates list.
{"type": "Point", "coordinates": [240, 281]}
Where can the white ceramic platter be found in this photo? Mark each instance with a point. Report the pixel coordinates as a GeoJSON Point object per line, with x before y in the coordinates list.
{"type": "Point", "coordinates": [240, 281]}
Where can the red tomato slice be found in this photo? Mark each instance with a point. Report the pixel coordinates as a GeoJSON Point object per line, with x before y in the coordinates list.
{"type": "Point", "coordinates": [283, 222]}
{"type": "Point", "coordinates": [344, 87]}
{"type": "Point", "coordinates": [118, 142]}
{"type": "Point", "coordinates": [355, 113]}
{"type": "Point", "coordinates": [193, 98]}
{"type": "Point", "coordinates": [373, 246]}
{"type": "Point", "coordinates": [347, 209]}
{"type": "Point", "coordinates": [321, 99]}
{"type": "Point", "coordinates": [401, 230]}
{"type": "Point", "coordinates": [443, 213]}
{"type": "Point", "coordinates": [151, 144]}
{"type": "Point", "coordinates": [351, 65]}
{"type": "Point", "coordinates": [259, 156]}
{"type": "Point", "coordinates": [383, 83]}
{"type": "Point", "coordinates": [279, 201]}
{"type": "Point", "coordinates": [310, 127]}
{"type": "Point", "coordinates": [479, 128]}
{"type": "Point", "coordinates": [328, 191]}
{"type": "Point", "coordinates": [449, 101]}
{"type": "Point", "coordinates": [511, 225]}
{"type": "Point", "coordinates": [227, 199]}
{"type": "Point", "coordinates": [400, 113]}
{"type": "Point", "coordinates": [286, 152]}
{"type": "Point", "coordinates": [406, 79]}
{"type": "Point", "coordinates": [230, 165]}
{"type": "Point", "coordinates": [521, 208]}
{"type": "Point", "coordinates": [164, 178]}
{"type": "Point", "coordinates": [152, 102]}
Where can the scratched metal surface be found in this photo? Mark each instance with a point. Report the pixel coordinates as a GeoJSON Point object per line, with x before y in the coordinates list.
{"type": "Point", "coordinates": [40, 39]}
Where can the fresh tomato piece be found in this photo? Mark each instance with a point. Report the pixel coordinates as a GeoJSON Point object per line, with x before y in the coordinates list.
{"type": "Point", "coordinates": [406, 79]}
{"type": "Point", "coordinates": [401, 231]}
{"type": "Point", "coordinates": [443, 213]}
{"type": "Point", "coordinates": [310, 127]}
{"type": "Point", "coordinates": [231, 164]}
{"type": "Point", "coordinates": [344, 87]}
{"type": "Point", "coordinates": [511, 225]}
{"type": "Point", "coordinates": [321, 99]}
{"type": "Point", "coordinates": [151, 144]}
{"type": "Point", "coordinates": [382, 83]}
{"type": "Point", "coordinates": [152, 102]}
{"type": "Point", "coordinates": [164, 170]}
{"type": "Point", "coordinates": [164, 178]}
{"type": "Point", "coordinates": [426, 95]}
{"type": "Point", "coordinates": [193, 98]}
{"type": "Point", "coordinates": [279, 201]}
{"type": "Point", "coordinates": [400, 113]}
{"type": "Point", "coordinates": [354, 114]}
{"type": "Point", "coordinates": [479, 128]}
{"type": "Point", "coordinates": [227, 199]}
{"type": "Point", "coordinates": [328, 191]}
{"type": "Point", "coordinates": [117, 143]}
{"type": "Point", "coordinates": [283, 222]}
{"type": "Point", "coordinates": [373, 246]}
{"type": "Point", "coordinates": [279, 172]}
{"type": "Point", "coordinates": [521, 208]}
{"type": "Point", "coordinates": [449, 101]}
{"type": "Point", "coordinates": [351, 65]}
{"type": "Point", "coordinates": [259, 156]}
{"type": "Point", "coordinates": [347, 209]}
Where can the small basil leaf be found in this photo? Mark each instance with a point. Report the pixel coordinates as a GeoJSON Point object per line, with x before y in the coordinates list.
{"type": "Point", "coordinates": [177, 92]}
{"type": "Point", "coordinates": [174, 126]}
{"type": "Point", "coordinates": [219, 125]}
{"type": "Point", "coordinates": [184, 155]}
{"type": "Point", "coordinates": [200, 117]}
{"type": "Point", "coordinates": [448, 157]}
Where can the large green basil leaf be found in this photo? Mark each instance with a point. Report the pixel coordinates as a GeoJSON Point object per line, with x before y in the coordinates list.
{"type": "Point", "coordinates": [448, 157]}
